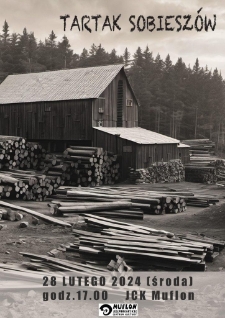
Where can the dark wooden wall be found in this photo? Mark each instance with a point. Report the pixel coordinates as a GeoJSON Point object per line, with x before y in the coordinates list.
{"type": "Point", "coordinates": [148, 154]}
{"type": "Point", "coordinates": [63, 120]}
{"type": "Point", "coordinates": [116, 145]}
{"type": "Point", "coordinates": [108, 101]}
{"type": "Point", "coordinates": [183, 154]}
{"type": "Point", "coordinates": [134, 155]}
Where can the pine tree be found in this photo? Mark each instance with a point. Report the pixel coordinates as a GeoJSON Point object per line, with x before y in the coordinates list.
{"type": "Point", "coordinates": [101, 57]}
{"type": "Point", "coordinates": [51, 51]}
{"type": "Point", "coordinates": [17, 67]}
{"type": "Point", "coordinates": [113, 58]}
{"type": "Point", "coordinates": [93, 50]}
{"type": "Point", "coordinates": [64, 53]}
{"type": "Point", "coordinates": [42, 56]}
{"type": "Point", "coordinates": [23, 43]}
{"type": "Point", "coordinates": [126, 57]}
{"type": "Point", "coordinates": [5, 49]}
{"type": "Point", "coordinates": [84, 58]}
{"type": "Point", "coordinates": [5, 37]}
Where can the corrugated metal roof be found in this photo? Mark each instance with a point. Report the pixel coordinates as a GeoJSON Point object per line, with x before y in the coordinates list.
{"type": "Point", "coordinates": [139, 135]}
{"type": "Point", "coordinates": [81, 83]}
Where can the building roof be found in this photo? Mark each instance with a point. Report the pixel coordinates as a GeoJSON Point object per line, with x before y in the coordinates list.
{"type": "Point", "coordinates": [139, 135]}
{"type": "Point", "coordinates": [183, 146]}
{"type": "Point", "coordinates": [80, 83]}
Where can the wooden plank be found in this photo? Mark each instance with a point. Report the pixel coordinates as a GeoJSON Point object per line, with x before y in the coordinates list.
{"type": "Point", "coordinates": [36, 214]}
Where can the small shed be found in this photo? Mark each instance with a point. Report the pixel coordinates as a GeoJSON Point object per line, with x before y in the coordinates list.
{"type": "Point", "coordinates": [138, 147]}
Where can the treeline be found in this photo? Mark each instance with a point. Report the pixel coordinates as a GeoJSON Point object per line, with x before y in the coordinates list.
{"type": "Point", "coordinates": [21, 53]}
{"type": "Point", "coordinates": [178, 100]}
{"type": "Point", "coordinates": [175, 99]}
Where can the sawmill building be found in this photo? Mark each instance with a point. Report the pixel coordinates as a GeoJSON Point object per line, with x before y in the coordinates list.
{"type": "Point", "coordinates": [87, 106]}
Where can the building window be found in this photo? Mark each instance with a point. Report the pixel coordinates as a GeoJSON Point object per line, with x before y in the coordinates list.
{"type": "Point", "coordinates": [47, 107]}
{"type": "Point", "coordinates": [129, 102]}
{"type": "Point", "coordinates": [101, 105]}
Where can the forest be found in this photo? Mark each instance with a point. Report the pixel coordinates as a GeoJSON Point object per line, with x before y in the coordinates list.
{"type": "Point", "coordinates": [175, 99]}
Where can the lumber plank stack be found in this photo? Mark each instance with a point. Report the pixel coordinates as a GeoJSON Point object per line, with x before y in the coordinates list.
{"type": "Point", "coordinates": [200, 147]}
{"type": "Point", "coordinates": [159, 172]}
{"type": "Point", "coordinates": [204, 166]}
{"type": "Point", "coordinates": [97, 249]}
{"type": "Point", "coordinates": [143, 248]}
{"type": "Point", "coordinates": [97, 246]}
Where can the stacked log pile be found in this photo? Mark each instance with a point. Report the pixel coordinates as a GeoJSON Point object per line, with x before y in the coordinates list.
{"type": "Point", "coordinates": [200, 174]}
{"type": "Point", "coordinates": [203, 162]}
{"type": "Point", "coordinates": [16, 153]}
{"type": "Point", "coordinates": [77, 166]}
{"type": "Point", "coordinates": [219, 166]}
{"type": "Point", "coordinates": [17, 180]}
{"type": "Point", "coordinates": [143, 248]}
{"type": "Point", "coordinates": [119, 201]}
{"type": "Point", "coordinates": [125, 202]}
{"type": "Point", "coordinates": [159, 172]}
{"type": "Point", "coordinates": [90, 166]}
{"type": "Point", "coordinates": [212, 172]}
{"type": "Point", "coordinates": [84, 166]}
{"type": "Point", "coordinates": [27, 185]}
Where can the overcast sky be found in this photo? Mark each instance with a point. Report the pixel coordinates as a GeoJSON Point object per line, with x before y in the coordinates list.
{"type": "Point", "coordinates": [42, 16]}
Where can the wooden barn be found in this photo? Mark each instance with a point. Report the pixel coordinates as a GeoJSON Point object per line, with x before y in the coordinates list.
{"type": "Point", "coordinates": [63, 106]}
{"type": "Point", "coordinates": [87, 106]}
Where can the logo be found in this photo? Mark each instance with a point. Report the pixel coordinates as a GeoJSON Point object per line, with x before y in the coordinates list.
{"type": "Point", "coordinates": [115, 310]}
{"type": "Point", "coordinates": [105, 309]}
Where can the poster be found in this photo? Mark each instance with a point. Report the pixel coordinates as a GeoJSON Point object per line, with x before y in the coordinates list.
{"type": "Point", "coordinates": [42, 36]}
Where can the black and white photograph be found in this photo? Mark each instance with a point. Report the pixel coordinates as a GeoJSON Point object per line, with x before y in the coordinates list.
{"type": "Point", "coordinates": [112, 158]}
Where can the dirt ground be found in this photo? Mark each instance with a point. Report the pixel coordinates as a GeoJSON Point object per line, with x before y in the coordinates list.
{"type": "Point", "coordinates": [42, 238]}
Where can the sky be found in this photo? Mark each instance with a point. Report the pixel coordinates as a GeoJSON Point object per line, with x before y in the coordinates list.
{"type": "Point", "coordinates": [43, 16]}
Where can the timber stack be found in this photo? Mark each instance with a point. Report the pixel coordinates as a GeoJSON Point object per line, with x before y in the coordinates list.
{"type": "Point", "coordinates": [29, 173]}
{"type": "Point", "coordinates": [97, 248]}
{"type": "Point", "coordinates": [143, 248]}
{"type": "Point", "coordinates": [200, 174]}
{"type": "Point", "coordinates": [125, 202]}
{"type": "Point", "coordinates": [159, 172]}
{"type": "Point", "coordinates": [27, 185]}
{"type": "Point", "coordinates": [201, 150]}
{"type": "Point", "coordinates": [219, 166]}
{"type": "Point", "coordinates": [204, 166]}
{"type": "Point", "coordinates": [90, 166]}
{"type": "Point", "coordinates": [16, 153]}
{"type": "Point", "coordinates": [117, 201]}
{"type": "Point", "coordinates": [84, 166]}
